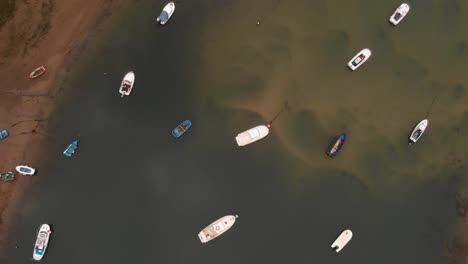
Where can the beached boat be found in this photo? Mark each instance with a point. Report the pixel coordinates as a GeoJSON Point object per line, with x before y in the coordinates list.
{"type": "Point", "coordinates": [42, 240]}
{"type": "Point", "coordinates": [166, 13]}
{"type": "Point", "coordinates": [252, 135]}
{"type": "Point", "coordinates": [25, 170]}
{"type": "Point", "coordinates": [37, 72]}
{"type": "Point", "coordinates": [3, 134]}
{"type": "Point", "coordinates": [127, 84]}
{"type": "Point", "coordinates": [399, 14]}
{"type": "Point", "coordinates": [336, 146]}
{"type": "Point", "coordinates": [418, 131]}
{"type": "Point", "coordinates": [217, 228]}
{"type": "Point", "coordinates": [359, 59]}
{"type": "Point", "coordinates": [7, 176]}
{"type": "Point", "coordinates": [180, 129]}
{"type": "Point", "coordinates": [342, 240]}
{"type": "Point", "coordinates": [71, 148]}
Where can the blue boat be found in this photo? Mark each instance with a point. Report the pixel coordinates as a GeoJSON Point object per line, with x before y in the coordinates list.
{"type": "Point", "coordinates": [180, 129]}
{"type": "Point", "coordinates": [71, 149]}
{"type": "Point", "coordinates": [336, 146]}
{"type": "Point", "coordinates": [3, 134]}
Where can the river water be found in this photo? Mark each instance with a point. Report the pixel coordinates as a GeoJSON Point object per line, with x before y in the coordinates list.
{"type": "Point", "coordinates": [134, 194]}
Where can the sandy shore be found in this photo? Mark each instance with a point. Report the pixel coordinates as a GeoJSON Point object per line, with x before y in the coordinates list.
{"type": "Point", "coordinates": [42, 32]}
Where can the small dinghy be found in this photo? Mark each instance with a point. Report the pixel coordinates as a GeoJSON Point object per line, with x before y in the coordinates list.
{"type": "Point", "coordinates": [25, 170]}
{"type": "Point", "coordinates": [359, 59]}
{"type": "Point", "coordinates": [252, 135]}
{"type": "Point", "coordinates": [42, 240]}
{"type": "Point", "coordinates": [166, 13]}
{"type": "Point", "coordinates": [127, 84]}
{"type": "Point", "coordinates": [336, 146]}
{"type": "Point", "coordinates": [70, 150]}
{"type": "Point", "coordinates": [180, 129]}
{"type": "Point", "coordinates": [342, 240]}
{"type": "Point", "coordinates": [7, 176]}
{"type": "Point", "coordinates": [3, 134]}
{"type": "Point", "coordinates": [37, 72]}
{"type": "Point", "coordinates": [399, 14]}
{"type": "Point", "coordinates": [418, 131]}
{"type": "Point", "coordinates": [217, 228]}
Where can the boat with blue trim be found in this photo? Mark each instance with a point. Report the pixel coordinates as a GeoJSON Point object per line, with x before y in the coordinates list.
{"type": "Point", "coordinates": [42, 240]}
{"type": "Point", "coordinates": [337, 145]}
{"type": "Point", "coordinates": [71, 148]}
{"type": "Point", "coordinates": [181, 129]}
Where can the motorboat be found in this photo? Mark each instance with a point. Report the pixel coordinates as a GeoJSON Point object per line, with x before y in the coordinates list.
{"type": "Point", "coordinates": [181, 129]}
{"type": "Point", "coordinates": [399, 14]}
{"type": "Point", "coordinates": [166, 13]}
{"type": "Point", "coordinates": [217, 228]}
{"type": "Point", "coordinates": [37, 72]}
{"type": "Point", "coordinates": [7, 176]}
{"type": "Point", "coordinates": [70, 150]}
{"type": "Point", "coordinates": [342, 240]}
{"type": "Point", "coordinates": [42, 240]}
{"type": "Point", "coordinates": [418, 131]}
{"type": "Point", "coordinates": [359, 59]}
{"type": "Point", "coordinates": [25, 170]}
{"type": "Point", "coordinates": [336, 146]}
{"type": "Point", "coordinates": [127, 84]}
{"type": "Point", "coordinates": [252, 135]}
{"type": "Point", "coordinates": [3, 134]}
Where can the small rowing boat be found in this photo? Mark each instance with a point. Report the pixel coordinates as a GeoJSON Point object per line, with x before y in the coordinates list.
{"type": "Point", "coordinates": [25, 170]}
{"type": "Point", "coordinates": [166, 13]}
{"type": "Point", "coordinates": [7, 176]}
{"type": "Point", "coordinates": [418, 131]}
{"type": "Point", "coordinates": [181, 129]}
{"type": "Point", "coordinates": [42, 240]}
{"type": "Point", "coordinates": [252, 135]}
{"type": "Point", "coordinates": [342, 240]}
{"type": "Point", "coordinates": [336, 146]}
{"type": "Point", "coordinates": [127, 84]}
{"type": "Point", "coordinates": [3, 134]}
{"type": "Point", "coordinates": [359, 59]}
{"type": "Point", "coordinates": [217, 228]}
{"type": "Point", "coordinates": [399, 14]}
{"type": "Point", "coordinates": [37, 72]}
{"type": "Point", "coordinates": [70, 150]}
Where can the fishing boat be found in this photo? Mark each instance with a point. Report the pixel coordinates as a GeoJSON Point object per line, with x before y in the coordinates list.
{"type": "Point", "coordinates": [127, 84]}
{"type": "Point", "coordinates": [70, 150]}
{"type": "Point", "coordinates": [25, 170]}
{"type": "Point", "coordinates": [3, 134]}
{"type": "Point", "coordinates": [252, 135]}
{"type": "Point", "coordinates": [399, 14]}
{"type": "Point", "coordinates": [180, 129]}
{"type": "Point", "coordinates": [42, 240]}
{"type": "Point", "coordinates": [418, 131]}
{"type": "Point", "coordinates": [217, 228]}
{"type": "Point", "coordinates": [336, 146]}
{"type": "Point", "coordinates": [166, 13]}
{"type": "Point", "coordinates": [359, 59]}
{"type": "Point", "coordinates": [37, 72]}
{"type": "Point", "coordinates": [342, 240]}
{"type": "Point", "coordinates": [7, 176]}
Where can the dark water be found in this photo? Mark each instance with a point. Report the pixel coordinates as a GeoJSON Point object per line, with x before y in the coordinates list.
{"type": "Point", "coordinates": [133, 194]}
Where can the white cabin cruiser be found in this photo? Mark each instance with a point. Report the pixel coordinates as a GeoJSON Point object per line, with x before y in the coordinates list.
{"type": "Point", "coordinates": [41, 242]}
{"type": "Point", "coordinates": [342, 240]}
{"type": "Point", "coordinates": [399, 14]}
{"type": "Point", "coordinates": [166, 13]}
{"type": "Point", "coordinates": [127, 84]}
{"type": "Point", "coordinates": [217, 228]}
{"type": "Point", "coordinates": [418, 131]}
{"type": "Point", "coordinates": [25, 170]}
{"type": "Point", "coordinates": [252, 135]}
{"type": "Point", "coordinates": [359, 59]}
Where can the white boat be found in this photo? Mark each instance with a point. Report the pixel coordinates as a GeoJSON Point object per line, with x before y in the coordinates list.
{"type": "Point", "coordinates": [359, 59]}
{"type": "Point", "coordinates": [41, 242]}
{"type": "Point", "coordinates": [399, 14]}
{"type": "Point", "coordinates": [217, 228]}
{"type": "Point", "coordinates": [418, 131]}
{"type": "Point", "coordinates": [252, 135]}
{"type": "Point", "coordinates": [342, 240]}
{"type": "Point", "coordinates": [25, 170]}
{"type": "Point", "coordinates": [166, 13]}
{"type": "Point", "coordinates": [127, 84]}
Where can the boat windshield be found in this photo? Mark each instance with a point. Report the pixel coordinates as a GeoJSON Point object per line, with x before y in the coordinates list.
{"type": "Point", "coordinates": [397, 16]}
{"type": "Point", "coordinates": [164, 16]}
{"type": "Point", "coordinates": [358, 59]}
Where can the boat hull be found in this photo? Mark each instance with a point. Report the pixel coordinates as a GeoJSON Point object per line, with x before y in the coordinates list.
{"type": "Point", "coordinates": [166, 13]}
{"type": "Point", "coordinates": [399, 14]}
{"type": "Point", "coordinates": [3, 134]}
{"type": "Point", "coordinates": [126, 86]}
{"type": "Point", "coordinates": [217, 228]}
{"type": "Point", "coordinates": [42, 241]}
{"type": "Point", "coordinates": [418, 131]}
{"type": "Point", "coordinates": [336, 145]}
{"type": "Point", "coordinates": [7, 176]}
{"type": "Point", "coordinates": [342, 240]}
{"type": "Point", "coordinates": [70, 150]}
{"type": "Point", "coordinates": [37, 72]}
{"type": "Point", "coordinates": [25, 170]}
{"type": "Point", "coordinates": [182, 128]}
{"type": "Point", "coordinates": [353, 64]}
{"type": "Point", "coordinates": [252, 135]}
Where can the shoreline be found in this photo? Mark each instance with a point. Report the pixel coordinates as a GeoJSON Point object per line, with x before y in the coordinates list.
{"type": "Point", "coordinates": [50, 33]}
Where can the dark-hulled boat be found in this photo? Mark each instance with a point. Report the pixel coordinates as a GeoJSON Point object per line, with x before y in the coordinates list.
{"type": "Point", "coordinates": [336, 146]}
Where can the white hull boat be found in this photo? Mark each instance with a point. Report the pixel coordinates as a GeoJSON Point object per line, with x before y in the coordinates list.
{"type": "Point", "coordinates": [217, 228]}
{"type": "Point", "coordinates": [342, 240]}
{"type": "Point", "coordinates": [252, 135]}
{"type": "Point", "coordinates": [25, 170]}
{"type": "Point", "coordinates": [166, 13]}
{"type": "Point", "coordinates": [418, 131]}
{"type": "Point", "coordinates": [399, 14]}
{"type": "Point", "coordinates": [127, 84]}
{"type": "Point", "coordinates": [41, 241]}
{"type": "Point", "coordinates": [359, 59]}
